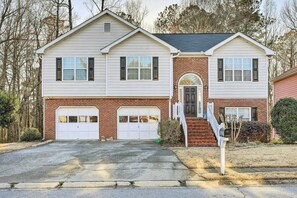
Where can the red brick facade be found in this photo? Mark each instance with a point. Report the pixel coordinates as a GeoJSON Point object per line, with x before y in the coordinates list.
{"type": "Point", "coordinates": [107, 112]}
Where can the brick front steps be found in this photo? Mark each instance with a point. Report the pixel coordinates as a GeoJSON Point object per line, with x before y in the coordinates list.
{"type": "Point", "coordinates": [200, 133]}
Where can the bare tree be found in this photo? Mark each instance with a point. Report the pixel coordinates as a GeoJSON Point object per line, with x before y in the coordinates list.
{"type": "Point", "coordinates": [136, 10]}
{"type": "Point", "coordinates": [289, 14]}
{"type": "Point", "coordinates": [58, 4]}
{"type": "Point", "coordinates": [96, 6]}
{"type": "Point", "coordinates": [25, 27]}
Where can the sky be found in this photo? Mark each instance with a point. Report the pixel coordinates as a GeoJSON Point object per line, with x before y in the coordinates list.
{"type": "Point", "coordinates": [154, 7]}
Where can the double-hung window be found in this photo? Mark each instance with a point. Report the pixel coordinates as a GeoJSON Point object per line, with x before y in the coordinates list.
{"type": "Point", "coordinates": [145, 68]}
{"type": "Point", "coordinates": [75, 68]}
{"type": "Point", "coordinates": [237, 63]}
{"type": "Point", "coordinates": [228, 69]}
{"type": "Point", "coordinates": [238, 69]}
{"type": "Point", "coordinates": [139, 68]}
{"type": "Point", "coordinates": [132, 68]}
{"type": "Point", "coordinates": [247, 69]}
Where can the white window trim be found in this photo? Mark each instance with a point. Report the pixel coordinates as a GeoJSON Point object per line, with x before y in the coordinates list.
{"type": "Point", "coordinates": [233, 73]}
{"type": "Point", "coordinates": [139, 69]}
{"type": "Point", "coordinates": [237, 108]}
{"type": "Point", "coordinates": [87, 73]}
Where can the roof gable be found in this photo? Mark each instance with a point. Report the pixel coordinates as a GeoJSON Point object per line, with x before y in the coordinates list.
{"type": "Point", "coordinates": [107, 48]}
{"type": "Point", "coordinates": [268, 51]}
{"type": "Point", "coordinates": [42, 49]}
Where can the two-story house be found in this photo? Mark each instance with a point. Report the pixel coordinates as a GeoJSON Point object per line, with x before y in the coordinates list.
{"type": "Point", "coordinates": [108, 78]}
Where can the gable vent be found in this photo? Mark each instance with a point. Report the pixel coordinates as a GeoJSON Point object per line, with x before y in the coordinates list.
{"type": "Point", "coordinates": [106, 27]}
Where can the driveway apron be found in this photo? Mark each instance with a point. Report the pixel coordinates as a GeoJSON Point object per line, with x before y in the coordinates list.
{"type": "Point", "coordinates": [92, 161]}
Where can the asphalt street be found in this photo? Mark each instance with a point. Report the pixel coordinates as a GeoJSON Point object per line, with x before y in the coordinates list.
{"type": "Point", "coordinates": [246, 192]}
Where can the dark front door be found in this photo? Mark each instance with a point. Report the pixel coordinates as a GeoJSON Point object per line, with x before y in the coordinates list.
{"type": "Point", "coordinates": [190, 101]}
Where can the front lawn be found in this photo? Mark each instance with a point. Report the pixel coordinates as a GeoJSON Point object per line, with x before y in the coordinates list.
{"type": "Point", "coordinates": [240, 155]}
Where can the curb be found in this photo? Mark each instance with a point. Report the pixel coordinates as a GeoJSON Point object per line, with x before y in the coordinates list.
{"type": "Point", "coordinates": [89, 185]}
{"type": "Point", "coordinates": [153, 184]}
{"type": "Point", "coordinates": [148, 184]}
{"type": "Point", "coordinates": [42, 143]}
{"type": "Point", "coordinates": [33, 146]}
{"type": "Point", "coordinates": [50, 185]}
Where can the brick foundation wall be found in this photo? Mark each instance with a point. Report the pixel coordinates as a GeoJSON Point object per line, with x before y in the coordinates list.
{"type": "Point", "coordinates": [107, 112]}
{"type": "Point", "coordinates": [261, 105]}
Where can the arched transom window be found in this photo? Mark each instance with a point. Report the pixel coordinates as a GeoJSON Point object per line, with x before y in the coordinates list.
{"type": "Point", "coordinates": [190, 79]}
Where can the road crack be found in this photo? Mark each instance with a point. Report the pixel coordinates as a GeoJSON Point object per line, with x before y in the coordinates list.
{"type": "Point", "coordinates": [239, 190]}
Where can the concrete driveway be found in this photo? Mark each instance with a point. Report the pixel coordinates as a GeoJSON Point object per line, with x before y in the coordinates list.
{"type": "Point", "coordinates": [92, 161]}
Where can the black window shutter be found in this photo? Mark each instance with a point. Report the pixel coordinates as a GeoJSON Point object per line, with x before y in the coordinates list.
{"type": "Point", "coordinates": [254, 114]}
{"type": "Point", "coordinates": [220, 70]}
{"type": "Point", "coordinates": [91, 62]}
{"type": "Point", "coordinates": [155, 68]}
{"type": "Point", "coordinates": [58, 69]}
{"type": "Point", "coordinates": [123, 68]}
{"type": "Point", "coordinates": [221, 112]}
{"type": "Point", "coordinates": [255, 70]}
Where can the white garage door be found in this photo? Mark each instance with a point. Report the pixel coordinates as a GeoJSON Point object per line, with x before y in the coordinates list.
{"type": "Point", "coordinates": [77, 123]}
{"type": "Point", "coordinates": [138, 122]}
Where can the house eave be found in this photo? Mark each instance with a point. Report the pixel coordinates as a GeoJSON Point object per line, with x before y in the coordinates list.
{"type": "Point", "coordinates": [267, 51]}
{"type": "Point", "coordinates": [106, 49]}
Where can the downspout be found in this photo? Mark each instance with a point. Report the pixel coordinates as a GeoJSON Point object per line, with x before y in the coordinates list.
{"type": "Point", "coordinates": [106, 74]}
{"type": "Point", "coordinates": [43, 99]}
{"type": "Point", "coordinates": [171, 81]}
{"type": "Point", "coordinates": [43, 121]}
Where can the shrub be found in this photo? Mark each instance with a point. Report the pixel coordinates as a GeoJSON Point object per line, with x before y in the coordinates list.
{"type": "Point", "coordinates": [170, 131]}
{"type": "Point", "coordinates": [284, 119]}
{"type": "Point", "coordinates": [7, 109]}
{"type": "Point", "coordinates": [31, 134]}
{"type": "Point", "coordinates": [254, 132]}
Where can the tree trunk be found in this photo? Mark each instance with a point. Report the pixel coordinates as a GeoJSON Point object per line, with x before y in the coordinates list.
{"type": "Point", "coordinates": [70, 14]}
{"type": "Point", "coordinates": [102, 5]}
{"type": "Point", "coordinates": [57, 19]}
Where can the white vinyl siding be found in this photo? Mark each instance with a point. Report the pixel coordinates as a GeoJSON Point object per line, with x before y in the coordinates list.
{"type": "Point", "coordinates": [241, 49]}
{"type": "Point", "coordinates": [138, 46]}
{"type": "Point", "coordinates": [87, 42]}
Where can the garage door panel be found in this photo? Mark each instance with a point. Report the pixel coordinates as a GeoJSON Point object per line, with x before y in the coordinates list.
{"type": "Point", "coordinates": [124, 135]}
{"type": "Point", "coordinates": [138, 122]}
{"type": "Point", "coordinates": [80, 123]}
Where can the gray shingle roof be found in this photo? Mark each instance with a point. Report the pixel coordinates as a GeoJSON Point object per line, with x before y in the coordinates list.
{"type": "Point", "coordinates": [193, 42]}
